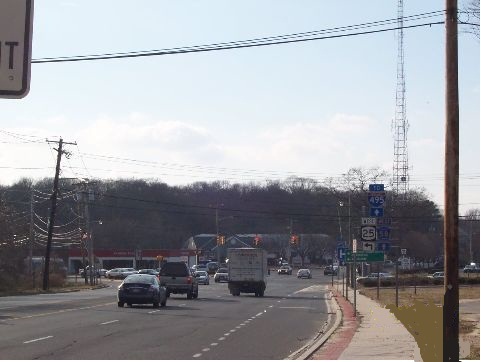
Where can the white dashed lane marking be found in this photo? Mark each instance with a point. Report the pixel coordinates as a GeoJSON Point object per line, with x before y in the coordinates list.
{"type": "Point", "coordinates": [37, 339]}
{"type": "Point", "coordinates": [197, 355]}
{"type": "Point", "coordinates": [221, 338]}
{"type": "Point", "coordinates": [206, 350]}
{"type": "Point", "coordinates": [214, 344]}
{"type": "Point", "coordinates": [109, 322]}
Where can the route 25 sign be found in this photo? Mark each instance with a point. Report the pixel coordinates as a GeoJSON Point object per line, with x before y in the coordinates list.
{"type": "Point", "coordinates": [368, 233]}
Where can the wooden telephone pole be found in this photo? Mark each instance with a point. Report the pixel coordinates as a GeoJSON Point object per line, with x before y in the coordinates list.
{"type": "Point", "coordinates": [46, 271]}
{"type": "Point", "coordinates": [451, 190]}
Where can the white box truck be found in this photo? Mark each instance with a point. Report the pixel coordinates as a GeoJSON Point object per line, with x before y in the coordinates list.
{"type": "Point", "coordinates": [247, 271]}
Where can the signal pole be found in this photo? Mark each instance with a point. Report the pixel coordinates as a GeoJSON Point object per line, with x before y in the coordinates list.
{"type": "Point", "coordinates": [46, 272]}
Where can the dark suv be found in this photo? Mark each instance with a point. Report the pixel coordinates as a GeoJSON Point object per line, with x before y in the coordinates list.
{"type": "Point", "coordinates": [177, 279]}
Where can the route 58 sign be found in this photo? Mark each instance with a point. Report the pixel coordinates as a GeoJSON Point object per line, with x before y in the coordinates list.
{"type": "Point", "coordinates": [368, 233]}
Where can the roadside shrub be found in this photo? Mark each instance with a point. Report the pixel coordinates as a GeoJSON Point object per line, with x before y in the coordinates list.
{"type": "Point", "coordinates": [56, 280]}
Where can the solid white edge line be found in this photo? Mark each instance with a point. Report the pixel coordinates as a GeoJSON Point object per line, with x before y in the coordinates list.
{"type": "Point", "coordinates": [314, 345]}
{"type": "Point", "coordinates": [37, 339]}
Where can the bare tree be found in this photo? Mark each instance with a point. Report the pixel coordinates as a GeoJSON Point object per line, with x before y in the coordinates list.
{"type": "Point", "coordinates": [470, 17]}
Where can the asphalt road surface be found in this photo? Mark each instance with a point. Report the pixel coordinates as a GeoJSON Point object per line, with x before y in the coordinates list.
{"type": "Point", "coordinates": [89, 325]}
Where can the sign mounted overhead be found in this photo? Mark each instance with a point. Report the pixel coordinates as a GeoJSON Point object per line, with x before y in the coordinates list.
{"type": "Point", "coordinates": [16, 23]}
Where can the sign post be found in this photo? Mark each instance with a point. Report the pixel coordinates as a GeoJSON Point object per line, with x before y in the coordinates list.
{"type": "Point", "coordinates": [16, 23]}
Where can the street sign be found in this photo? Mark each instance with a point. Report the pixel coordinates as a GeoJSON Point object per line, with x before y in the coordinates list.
{"type": "Point", "coordinates": [376, 187]}
{"type": "Point", "coordinates": [383, 233]}
{"type": "Point", "coordinates": [403, 251]}
{"type": "Point", "coordinates": [16, 18]}
{"type": "Point", "coordinates": [369, 246]}
{"type": "Point", "coordinates": [354, 245]}
{"type": "Point", "coordinates": [384, 221]}
{"type": "Point", "coordinates": [376, 199]}
{"type": "Point", "coordinates": [362, 256]}
{"type": "Point", "coordinates": [383, 246]}
{"type": "Point", "coordinates": [368, 221]}
{"type": "Point", "coordinates": [376, 212]}
{"type": "Point", "coordinates": [341, 253]}
{"type": "Point", "coordinates": [368, 233]}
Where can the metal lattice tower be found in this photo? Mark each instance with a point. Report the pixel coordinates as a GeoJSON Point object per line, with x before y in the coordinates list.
{"type": "Point", "coordinates": [400, 124]}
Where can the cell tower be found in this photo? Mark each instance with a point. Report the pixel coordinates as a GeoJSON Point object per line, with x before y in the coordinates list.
{"type": "Point", "coordinates": [400, 124]}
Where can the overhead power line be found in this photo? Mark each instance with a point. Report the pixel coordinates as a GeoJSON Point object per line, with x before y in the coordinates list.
{"type": "Point", "coordinates": [331, 33]}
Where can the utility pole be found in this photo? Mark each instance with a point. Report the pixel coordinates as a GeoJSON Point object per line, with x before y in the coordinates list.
{"type": "Point", "coordinates": [451, 190]}
{"type": "Point", "coordinates": [217, 231]}
{"type": "Point", "coordinates": [51, 221]}
{"type": "Point", "coordinates": [32, 237]}
{"type": "Point", "coordinates": [89, 240]}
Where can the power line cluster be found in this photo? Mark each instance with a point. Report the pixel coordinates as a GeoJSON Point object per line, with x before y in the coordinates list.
{"type": "Point", "coordinates": [21, 222]}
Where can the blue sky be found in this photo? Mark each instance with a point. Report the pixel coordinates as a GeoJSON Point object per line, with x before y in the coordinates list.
{"type": "Point", "coordinates": [312, 109]}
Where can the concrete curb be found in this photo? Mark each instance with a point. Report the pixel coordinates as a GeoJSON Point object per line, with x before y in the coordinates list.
{"type": "Point", "coordinates": [313, 345]}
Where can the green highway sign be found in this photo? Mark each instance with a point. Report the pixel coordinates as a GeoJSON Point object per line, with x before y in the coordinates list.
{"type": "Point", "coordinates": [362, 256]}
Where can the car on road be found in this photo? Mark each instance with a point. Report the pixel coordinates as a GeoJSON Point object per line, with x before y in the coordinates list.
{"type": "Point", "coordinates": [330, 270]}
{"type": "Point", "coordinates": [373, 276]}
{"type": "Point", "coordinates": [285, 269]}
{"type": "Point", "coordinates": [96, 272]}
{"type": "Point", "coordinates": [202, 277]}
{"type": "Point", "coordinates": [471, 268]}
{"type": "Point", "coordinates": [222, 275]}
{"type": "Point", "coordinates": [148, 271]}
{"type": "Point", "coordinates": [304, 273]}
{"type": "Point", "coordinates": [120, 273]}
{"type": "Point", "coordinates": [437, 275]}
{"type": "Point", "coordinates": [212, 267]}
{"type": "Point", "coordinates": [141, 289]}
{"type": "Point", "coordinates": [178, 279]}
{"type": "Point", "coordinates": [200, 267]}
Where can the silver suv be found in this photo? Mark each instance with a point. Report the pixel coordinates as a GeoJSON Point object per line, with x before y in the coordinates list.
{"type": "Point", "coordinates": [177, 279]}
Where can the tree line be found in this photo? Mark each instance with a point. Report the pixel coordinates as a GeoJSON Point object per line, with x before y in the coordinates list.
{"type": "Point", "coordinates": [148, 214]}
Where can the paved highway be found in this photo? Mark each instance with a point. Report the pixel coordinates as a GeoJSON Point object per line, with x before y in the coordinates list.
{"type": "Point", "coordinates": [89, 325]}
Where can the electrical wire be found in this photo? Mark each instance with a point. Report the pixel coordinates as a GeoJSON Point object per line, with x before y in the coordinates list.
{"type": "Point", "coordinates": [258, 42]}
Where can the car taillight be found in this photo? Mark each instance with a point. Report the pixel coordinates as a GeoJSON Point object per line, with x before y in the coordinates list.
{"type": "Point", "coordinates": [189, 280]}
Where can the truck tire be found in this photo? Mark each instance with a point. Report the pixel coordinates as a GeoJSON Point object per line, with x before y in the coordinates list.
{"type": "Point", "coordinates": [190, 295]}
{"type": "Point", "coordinates": [261, 293]}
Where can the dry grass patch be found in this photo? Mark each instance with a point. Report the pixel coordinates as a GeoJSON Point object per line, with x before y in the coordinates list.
{"type": "Point", "coordinates": [469, 330]}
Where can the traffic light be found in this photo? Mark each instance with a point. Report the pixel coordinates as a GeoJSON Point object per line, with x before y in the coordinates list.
{"type": "Point", "coordinates": [294, 240]}
{"type": "Point", "coordinates": [220, 239]}
{"type": "Point", "coordinates": [257, 240]}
